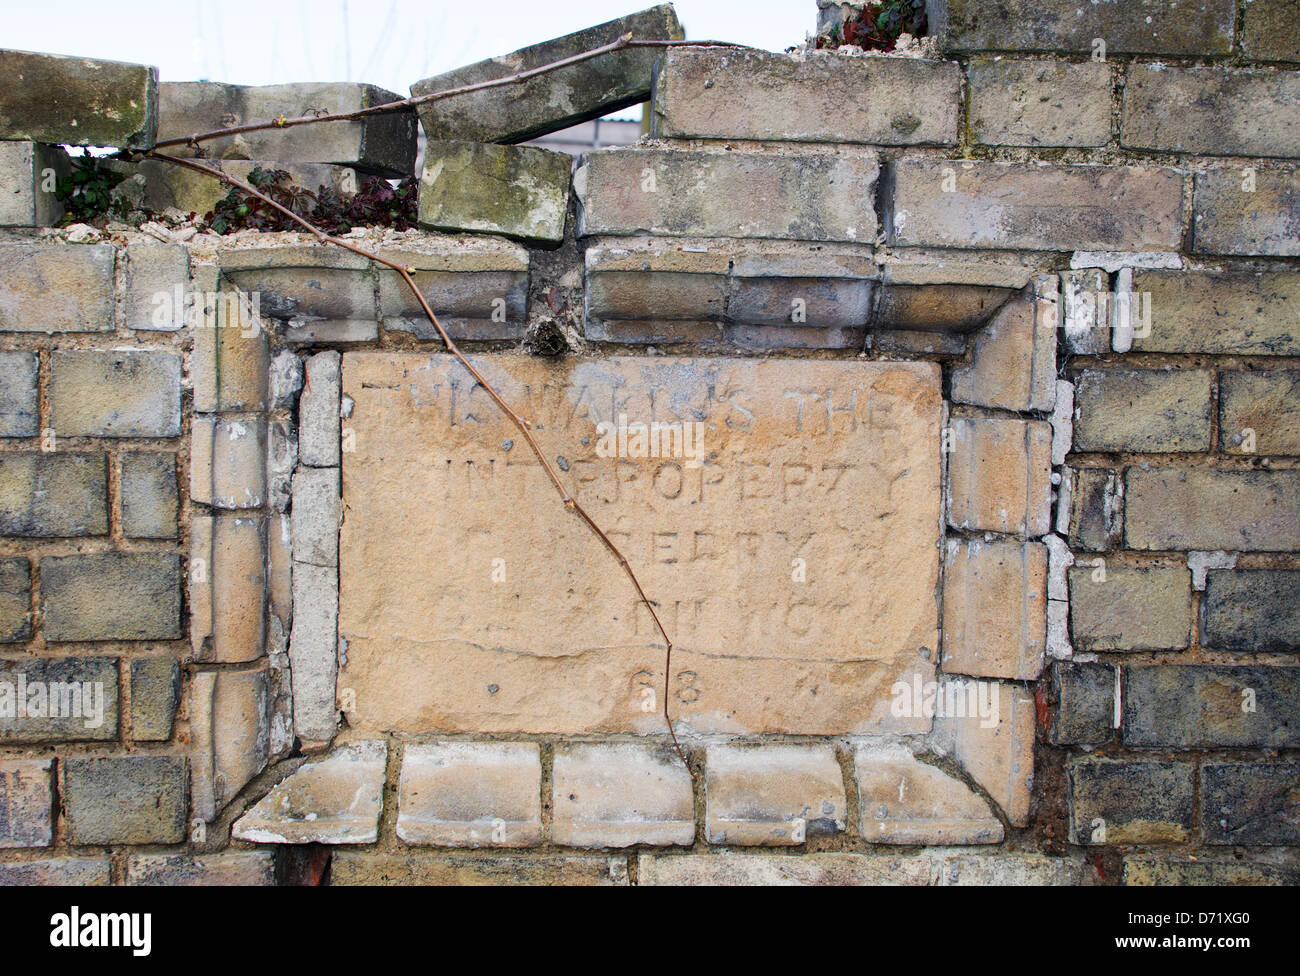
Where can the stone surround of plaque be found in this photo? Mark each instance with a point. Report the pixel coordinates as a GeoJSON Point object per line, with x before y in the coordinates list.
{"type": "Point", "coordinates": [782, 515]}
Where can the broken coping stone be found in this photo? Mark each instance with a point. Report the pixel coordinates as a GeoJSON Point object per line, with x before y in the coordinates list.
{"type": "Point", "coordinates": [554, 100]}
{"type": "Point", "coordinates": [334, 800]}
{"type": "Point", "coordinates": [518, 191]}
{"type": "Point", "coordinates": [77, 101]}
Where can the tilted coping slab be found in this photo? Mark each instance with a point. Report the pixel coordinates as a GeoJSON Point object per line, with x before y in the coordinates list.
{"type": "Point", "coordinates": [334, 800]}
{"type": "Point", "coordinates": [740, 282]}
{"type": "Point", "coordinates": [435, 455]}
{"type": "Point", "coordinates": [954, 203]}
{"type": "Point", "coordinates": [77, 101]}
{"type": "Point", "coordinates": [384, 143]}
{"type": "Point", "coordinates": [814, 196]}
{"type": "Point", "coordinates": [519, 191]}
{"type": "Point", "coordinates": [554, 100]}
{"type": "Point", "coordinates": [729, 93]}
{"type": "Point", "coordinates": [902, 800]}
{"type": "Point", "coordinates": [1133, 27]}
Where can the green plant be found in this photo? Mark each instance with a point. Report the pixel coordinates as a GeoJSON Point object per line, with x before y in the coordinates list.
{"type": "Point", "coordinates": [87, 191]}
{"type": "Point", "coordinates": [879, 25]}
{"type": "Point", "coordinates": [376, 204]}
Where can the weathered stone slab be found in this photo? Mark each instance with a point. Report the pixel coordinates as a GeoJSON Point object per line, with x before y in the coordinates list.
{"type": "Point", "coordinates": [471, 794]}
{"type": "Point", "coordinates": [548, 870]}
{"type": "Point", "coordinates": [554, 100]}
{"type": "Point", "coordinates": [1271, 30]}
{"type": "Point", "coordinates": [904, 801]}
{"type": "Point", "coordinates": [1233, 214]}
{"type": "Point", "coordinates": [772, 795]}
{"type": "Point", "coordinates": [383, 143]}
{"type": "Point", "coordinates": [611, 794]}
{"type": "Point", "coordinates": [56, 288]}
{"type": "Point", "coordinates": [685, 193]}
{"type": "Point", "coordinates": [26, 802]}
{"type": "Point", "coordinates": [948, 203]}
{"type": "Point", "coordinates": [726, 93]}
{"type": "Point", "coordinates": [171, 185]}
{"type": "Point", "coordinates": [66, 699]}
{"type": "Point", "coordinates": [1234, 312]}
{"type": "Point", "coordinates": [75, 101]}
{"type": "Point", "coordinates": [794, 564]}
{"type": "Point", "coordinates": [518, 191]}
{"type": "Point", "coordinates": [30, 171]}
{"type": "Point", "coordinates": [1208, 509]}
{"type": "Point", "coordinates": [476, 286]}
{"type": "Point", "coordinates": [1039, 103]}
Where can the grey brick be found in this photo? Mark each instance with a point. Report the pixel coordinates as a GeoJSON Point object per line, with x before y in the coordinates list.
{"type": "Point", "coordinates": [1181, 870]}
{"type": "Point", "coordinates": [1271, 30]}
{"type": "Point", "coordinates": [1207, 509]}
{"type": "Point", "coordinates": [1126, 802]}
{"type": "Point", "coordinates": [112, 596]}
{"type": "Point", "coordinates": [154, 272]}
{"type": "Point", "coordinates": [313, 650]}
{"type": "Point", "coordinates": [319, 424]}
{"type": "Point", "coordinates": [1229, 219]}
{"type": "Point", "coordinates": [1085, 713]}
{"type": "Point", "coordinates": [1039, 103]}
{"type": "Point", "coordinates": [18, 406]}
{"type": "Point", "coordinates": [115, 394]}
{"type": "Point", "coordinates": [56, 288]}
{"type": "Point", "coordinates": [1133, 609]}
{"type": "Point", "coordinates": [1252, 610]}
{"type": "Point", "coordinates": [1234, 312]}
{"type": "Point", "coordinates": [76, 872]}
{"type": "Point", "coordinates": [1142, 410]}
{"type": "Point", "coordinates": [1267, 404]}
{"type": "Point", "coordinates": [150, 498]}
{"type": "Point", "coordinates": [99, 103]}
{"type": "Point", "coordinates": [317, 506]}
{"type": "Point", "coordinates": [1186, 707]}
{"type": "Point", "coordinates": [53, 495]}
{"type": "Point", "coordinates": [238, 868]}
{"type": "Point", "coordinates": [135, 800]}
{"type": "Point", "coordinates": [15, 599]}
{"type": "Point", "coordinates": [557, 99]}
{"type": "Point", "coordinates": [80, 695]}
{"type": "Point", "coordinates": [1253, 803]}
{"type": "Point", "coordinates": [155, 693]}
{"type": "Point", "coordinates": [26, 803]}
{"type": "Point", "coordinates": [1097, 509]}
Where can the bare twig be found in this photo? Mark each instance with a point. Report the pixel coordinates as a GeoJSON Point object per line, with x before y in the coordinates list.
{"type": "Point", "coordinates": [525, 428]}
{"type": "Point", "coordinates": [625, 41]}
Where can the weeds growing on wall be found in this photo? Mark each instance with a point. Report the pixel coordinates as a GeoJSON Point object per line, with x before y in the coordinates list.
{"type": "Point", "coordinates": [878, 26]}
{"type": "Point", "coordinates": [377, 204]}
{"type": "Point", "coordinates": [87, 191]}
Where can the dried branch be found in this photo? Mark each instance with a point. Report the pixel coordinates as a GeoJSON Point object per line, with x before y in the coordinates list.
{"type": "Point", "coordinates": [625, 41]}
{"type": "Point", "coordinates": [525, 428]}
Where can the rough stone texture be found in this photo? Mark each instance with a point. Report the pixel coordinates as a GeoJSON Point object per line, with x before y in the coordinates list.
{"type": "Point", "coordinates": [1185, 707]}
{"type": "Point", "coordinates": [115, 394]}
{"type": "Point", "coordinates": [1131, 609]}
{"type": "Point", "coordinates": [383, 143]}
{"type": "Point", "coordinates": [130, 800]}
{"type": "Point", "coordinates": [1130, 802]}
{"type": "Point", "coordinates": [724, 93]}
{"type": "Point", "coordinates": [1234, 312]}
{"type": "Point", "coordinates": [1256, 803]}
{"type": "Point", "coordinates": [155, 693]}
{"type": "Point", "coordinates": [315, 515]}
{"type": "Point", "coordinates": [26, 803]}
{"type": "Point", "coordinates": [18, 406]}
{"type": "Point", "coordinates": [313, 650]}
{"type": "Point", "coordinates": [334, 800]}
{"type": "Point", "coordinates": [811, 196]}
{"type": "Point", "coordinates": [771, 795]}
{"type": "Point", "coordinates": [1191, 27]}
{"type": "Point", "coordinates": [1212, 111]}
{"type": "Point", "coordinates": [53, 495]}
{"type": "Point", "coordinates": [56, 288]}
{"type": "Point", "coordinates": [318, 411]}
{"type": "Point", "coordinates": [28, 169]}
{"type": "Point", "coordinates": [150, 498]}
{"type": "Point", "coordinates": [1226, 219]}
{"type": "Point", "coordinates": [518, 191]}
{"type": "Point", "coordinates": [15, 599]}
{"type": "Point", "coordinates": [1096, 509]}
{"type": "Point", "coordinates": [557, 99]}
{"type": "Point", "coordinates": [476, 286]}
{"type": "Point", "coordinates": [776, 451]}
{"type": "Point", "coordinates": [995, 609]}
{"type": "Point", "coordinates": [822, 870]}
{"type": "Point", "coordinates": [904, 801]}
{"type": "Point", "coordinates": [315, 293]}
{"type": "Point", "coordinates": [471, 794]}
{"type": "Point", "coordinates": [229, 734]}
{"type": "Point", "coordinates": [77, 101]}
{"type": "Point", "coordinates": [64, 872]}
{"type": "Point", "coordinates": [1267, 404]}
{"type": "Point", "coordinates": [1143, 410]}
{"type": "Point", "coordinates": [111, 596]}
{"type": "Point", "coordinates": [154, 274]}
{"type": "Point", "coordinates": [239, 868]}
{"type": "Point", "coordinates": [1205, 509]}
{"type": "Point", "coordinates": [227, 585]}
{"type": "Point", "coordinates": [546, 870]}
{"type": "Point", "coordinates": [1252, 610]}
{"type": "Point", "coordinates": [1166, 870]}
{"type": "Point", "coordinates": [168, 185]}
{"type": "Point", "coordinates": [228, 462]}
{"type": "Point", "coordinates": [1271, 30]}
{"type": "Point", "coordinates": [1012, 361]}
{"type": "Point", "coordinates": [999, 475]}
{"type": "Point", "coordinates": [1085, 712]}
{"type": "Point", "coordinates": [947, 203]}
{"type": "Point", "coordinates": [619, 794]}
{"type": "Point", "coordinates": [1039, 103]}
{"type": "Point", "coordinates": [68, 699]}
{"type": "Point", "coordinates": [996, 750]}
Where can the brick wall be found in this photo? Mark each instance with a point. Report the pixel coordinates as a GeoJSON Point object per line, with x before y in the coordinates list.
{"type": "Point", "coordinates": [1057, 254]}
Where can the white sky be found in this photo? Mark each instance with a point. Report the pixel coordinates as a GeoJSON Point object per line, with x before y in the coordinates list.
{"type": "Point", "coordinates": [388, 42]}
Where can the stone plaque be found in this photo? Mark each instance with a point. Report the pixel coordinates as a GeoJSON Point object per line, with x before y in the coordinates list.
{"type": "Point", "coordinates": [782, 514]}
